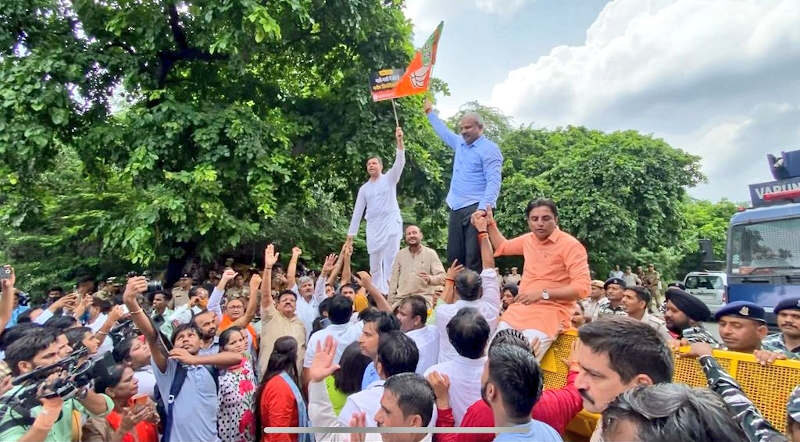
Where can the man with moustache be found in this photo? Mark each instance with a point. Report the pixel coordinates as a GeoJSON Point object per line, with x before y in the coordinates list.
{"type": "Point", "coordinates": [616, 354]}
{"type": "Point", "coordinates": [612, 305]}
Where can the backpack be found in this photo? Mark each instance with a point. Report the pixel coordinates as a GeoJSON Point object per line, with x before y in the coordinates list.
{"type": "Point", "coordinates": [165, 413]}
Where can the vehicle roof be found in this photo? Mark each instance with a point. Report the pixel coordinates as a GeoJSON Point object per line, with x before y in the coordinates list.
{"type": "Point", "coordinates": [766, 213]}
{"type": "Point", "coordinates": [706, 274]}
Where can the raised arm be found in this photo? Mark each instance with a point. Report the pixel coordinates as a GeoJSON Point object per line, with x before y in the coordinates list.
{"type": "Point", "coordinates": [7, 300]}
{"type": "Point", "coordinates": [222, 359]}
{"type": "Point", "coordinates": [365, 279]}
{"type": "Point", "coordinates": [319, 286]}
{"type": "Point", "coordinates": [441, 129]}
{"type": "Point", "coordinates": [492, 161]}
{"type": "Point", "coordinates": [346, 272]}
{"type": "Point", "coordinates": [133, 288]}
{"type": "Point", "coordinates": [487, 254]}
{"type": "Point", "coordinates": [449, 293]}
{"type": "Point", "coordinates": [215, 299]}
{"type": "Point", "coordinates": [291, 270]}
{"type": "Point", "coordinates": [114, 315]}
{"type": "Point", "coordinates": [270, 258]}
{"type": "Point", "coordinates": [338, 267]}
{"type": "Point", "coordinates": [495, 236]}
{"type": "Point", "coordinates": [399, 159]}
{"type": "Point", "coordinates": [252, 303]}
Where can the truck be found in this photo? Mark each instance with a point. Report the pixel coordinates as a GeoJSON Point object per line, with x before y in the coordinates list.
{"type": "Point", "coordinates": [763, 248]}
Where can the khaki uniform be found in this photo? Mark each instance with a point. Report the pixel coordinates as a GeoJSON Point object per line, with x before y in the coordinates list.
{"type": "Point", "coordinates": [180, 296]}
{"type": "Point", "coordinates": [658, 325]}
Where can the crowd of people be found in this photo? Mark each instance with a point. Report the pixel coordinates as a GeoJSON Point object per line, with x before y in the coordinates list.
{"type": "Point", "coordinates": [239, 356]}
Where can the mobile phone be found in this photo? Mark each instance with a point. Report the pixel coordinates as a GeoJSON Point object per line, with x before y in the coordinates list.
{"type": "Point", "coordinates": [125, 309]}
{"type": "Point", "coordinates": [140, 399]}
{"type": "Point", "coordinates": [5, 272]}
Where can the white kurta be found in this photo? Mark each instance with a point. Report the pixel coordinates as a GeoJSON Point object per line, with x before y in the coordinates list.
{"type": "Point", "coordinates": [384, 222]}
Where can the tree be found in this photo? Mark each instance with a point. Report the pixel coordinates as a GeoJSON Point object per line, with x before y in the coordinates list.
{"type": "Point", "coordinates": [617, 192]}
{"type": "Point", "coordinates": [196, 127]}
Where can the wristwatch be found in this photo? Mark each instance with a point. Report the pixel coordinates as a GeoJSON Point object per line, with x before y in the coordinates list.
{"type": "Point", "coordinates": [545, 295]}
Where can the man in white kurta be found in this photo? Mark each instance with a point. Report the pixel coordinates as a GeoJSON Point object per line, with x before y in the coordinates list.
{"type": "Point", "coordinates": [384, 223]}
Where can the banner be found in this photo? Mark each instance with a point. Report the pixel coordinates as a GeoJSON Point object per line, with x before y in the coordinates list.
{"type": "Point", "coordinates": [384, 82]}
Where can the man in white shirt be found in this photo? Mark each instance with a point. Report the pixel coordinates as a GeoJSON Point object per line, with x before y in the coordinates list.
{"type": "Point", "coordinates": [481, 292]}
{"type": "Point", "coordinates": [341, 329]}
{"type": "Point", "coordinates": [407, 401]}
{"type": "Point", "coordinates": [384, 222]}
{"type": "Point", "coordinates": [469, 332]}
{"type": "Point", "coordinates": [413, 314]}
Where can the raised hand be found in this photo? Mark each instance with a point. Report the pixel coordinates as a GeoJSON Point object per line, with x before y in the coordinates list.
{"type": "Point", "coordinates": [441, 388]}
{"type": "Point", "coordinates": [270, 256]}
{"type": "Point", "coordinates": [9, 283]}
{"type": "Point", "coordinates": [479, 220]}
{"type": "Point", "coordinates": [364, 277]}
{"type": "Point", "coordinates": [116, 313]}
{"type": "Point", "coordinates": [358, 420]}
{"type": "Point", "coordinates": [455, 269]}
{"type": "Point", "coordinates": [135, 286]}
{"type": "Point", "coordinates": [330, 263]}
{"type": "Point", "coordinates": [228, 274]}
{"type": "Point", "coordinates": [398, 135]}
{"type": "Point", "coordinates": [427, 106]}
{"type": "Point", "coordinates": [323, 366]}
{"type": "Point", "coordinates": [296, 251]}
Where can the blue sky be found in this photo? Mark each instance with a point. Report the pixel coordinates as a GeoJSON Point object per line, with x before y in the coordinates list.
{"type": "Point", "coordinates": [717, 78]}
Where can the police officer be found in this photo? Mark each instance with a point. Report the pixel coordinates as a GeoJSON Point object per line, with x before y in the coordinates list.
{"type": "Point", "coordinates": [742, 326]}
{"type": "Point", "coordinates": [684, 315]}
{"type": "Point", "coordinates": [788, 340]}
{"type": "Point", "coordinates": [612, 303]}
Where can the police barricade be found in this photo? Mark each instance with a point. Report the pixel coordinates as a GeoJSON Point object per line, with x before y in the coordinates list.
{"type": "Point", "coordinates": [767, 386]}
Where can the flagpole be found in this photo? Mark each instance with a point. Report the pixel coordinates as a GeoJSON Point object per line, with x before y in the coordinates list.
{"type": "Point", "coordinates": [394, 108]}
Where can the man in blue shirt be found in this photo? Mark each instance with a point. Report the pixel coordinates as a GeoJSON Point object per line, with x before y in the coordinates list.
{"type": "Point", "coordinates": [475, 185]}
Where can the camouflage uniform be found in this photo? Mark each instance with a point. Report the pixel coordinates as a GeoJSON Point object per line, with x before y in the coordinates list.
{"type": "Point", "coordinates": [755, 426]}
{"type": "Point", "coordinates": [775, 343]}
{"type": "Point", "coordinates": [699, 334]}
{"type": "Point", "coordinates": [604, 308]}
{"type": "Point", "coordinates": [793, 407]}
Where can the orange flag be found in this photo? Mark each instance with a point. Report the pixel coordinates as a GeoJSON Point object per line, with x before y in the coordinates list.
{"type": "Point", "coordinates": [418, 74]}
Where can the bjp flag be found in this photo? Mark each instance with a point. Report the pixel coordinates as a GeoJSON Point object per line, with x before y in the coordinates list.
{"type": "Point", "coordinates": [417, 76]}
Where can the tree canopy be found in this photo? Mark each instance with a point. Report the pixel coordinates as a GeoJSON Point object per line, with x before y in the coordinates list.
{"type": "Point", "coordinates": [145, 134]}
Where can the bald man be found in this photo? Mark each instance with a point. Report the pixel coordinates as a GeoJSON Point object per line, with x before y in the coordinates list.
{"type": "Point", "coordinates": [477, 169]}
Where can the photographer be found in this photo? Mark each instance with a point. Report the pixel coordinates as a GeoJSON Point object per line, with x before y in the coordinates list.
{"type": "Point", "coordinates": [179, 374]}
{"type": "Point", "coordinates": [52, 421]}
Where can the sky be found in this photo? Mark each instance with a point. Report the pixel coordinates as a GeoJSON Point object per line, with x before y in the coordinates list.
{"type": "Point", "coordinates": [716, 78]}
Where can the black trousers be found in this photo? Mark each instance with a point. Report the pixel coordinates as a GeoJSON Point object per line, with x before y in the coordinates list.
{"type": "Point", "coordinates": [462, 239]}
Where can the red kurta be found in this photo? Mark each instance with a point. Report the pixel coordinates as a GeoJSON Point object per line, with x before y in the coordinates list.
{"type": "Point", "coordinates": [278, 408]}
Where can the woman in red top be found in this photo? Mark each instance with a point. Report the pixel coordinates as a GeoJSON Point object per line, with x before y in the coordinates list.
{"type": "Point", "coordinates": [129, 421]}
{"type": "Point", "coordinates": [281, 404]}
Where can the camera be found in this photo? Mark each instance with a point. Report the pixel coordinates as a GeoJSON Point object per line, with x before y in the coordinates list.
{"type": "Point", "coordinates": [153, 285]}
{"type": "Point", "coordinates": [76, 379]}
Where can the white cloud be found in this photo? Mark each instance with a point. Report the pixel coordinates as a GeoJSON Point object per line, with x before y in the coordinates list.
{"type": "Point", "coordinates": [499, 7]}
{"type": "Point", "coordinates": [717, 78]}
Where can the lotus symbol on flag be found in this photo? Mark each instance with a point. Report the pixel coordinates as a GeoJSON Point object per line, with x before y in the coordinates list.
{"type": "Point", "coordinates": [418, 76]}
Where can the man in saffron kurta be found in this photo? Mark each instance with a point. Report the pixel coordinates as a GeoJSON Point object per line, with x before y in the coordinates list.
{"type": "Point", "coordinates": [554, 277]}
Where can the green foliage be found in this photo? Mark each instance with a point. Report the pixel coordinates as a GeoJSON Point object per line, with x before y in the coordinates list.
{"type": "Point", "coordinates": [133, 134]}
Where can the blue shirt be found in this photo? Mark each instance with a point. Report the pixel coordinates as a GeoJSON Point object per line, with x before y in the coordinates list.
{"type": "Point", "coordinates": [477, 168]}
{"type": "Point", "coordinates": [535, 430]}
{"type": "Point", "coordinates": [370, 376]}
{"type": "Point", "coordinates": [195, 408]}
